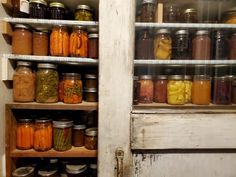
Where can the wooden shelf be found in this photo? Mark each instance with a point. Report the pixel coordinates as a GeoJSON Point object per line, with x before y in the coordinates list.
{"type": "Point", "coordinates": [74, 152]}
{"type": "Point", "coordinates": [54, 106]}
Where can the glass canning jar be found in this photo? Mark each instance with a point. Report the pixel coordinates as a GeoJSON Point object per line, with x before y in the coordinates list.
{"type": "Point", "coordinates": [20, 8]}
{"type": "Point", "coordinates": [93, 45]}
{"type": "Point", "coordinates": [84, 13]}
{"type": "Point", "coordinates": [57, 10]}
{"type": "Point", "coordinates": [91, 94]}
{"type": "Point", "coordinates": [181, 45]}
{"type": "Point", "coordinates": [91, 140]}
{"type": "Point", "coordinates": [220, 49]}
{"type": "Point", "coordinates": [24, 134]}
{"type": "Point", "coordinates": [146, 89]}
{"type": "Point", "coordinates": [190, 16]}
{"type": "Point", "coordinates": [201, 90]}
{"type": "Point", "coordinates": [78, 135]}
{"type": "Point", "coordinates": [91, 81]}
{"type": "Point", "coordinates": [23, 82]}
{"type": "Point", "coordinates": [59, 41]}
{"type": "Point", "coordinates": [47, 81]}
{"type": "Point", "coordinates": [40, 42]}
{"type": "Point", "coordinates": [232, 47]}
{"type": "Point", "coordinates": [22, 40]}
{"type": "Point", "coordinates": [176, 90]}
{"type": "Point", "coordinates": [188, 88]}
{"type": "Point", "coordinates": [171, 13]}
{"type": "Point", "coordinates": [43, 134]}
{"type": "Point", "coordinates": [38, 9]}
{"type": "Point", "coordinates": [23, 172]}
{"type": "Point", "coordinates": [79, 42]}
{"type": "Point", "coordinates": [201, 45]}
{"type": "Point", "coordinates": [76, 170]}
{"type": "Point", "coordinates": [148, 10]}
{"type": "Point", "coordinates": [160, 89]}
{"type": "Point", "coordinates": [72, 86]}
{"type": "Point", "coordinates": [163, 45]}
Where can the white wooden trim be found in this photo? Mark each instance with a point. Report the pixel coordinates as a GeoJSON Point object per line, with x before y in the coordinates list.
{"type": "Point", "coordinates": [6, 69]}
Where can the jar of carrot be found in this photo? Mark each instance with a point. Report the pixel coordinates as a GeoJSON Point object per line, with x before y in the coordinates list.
{"type": "Point", "coordinates": [43, 134]}
{"type": "Point", "coordinates": [24, 134]}
{"type": "Point", "coordinates": [79, 42]}
{"type": "Point", "coordinates": [72, 88]}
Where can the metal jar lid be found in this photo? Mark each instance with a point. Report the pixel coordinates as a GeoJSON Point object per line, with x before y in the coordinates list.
{"type": "Point", "coordinates": [161, 77]}
{"type": "Point", "coordinates": [41, 30]}
{"type": "Point", "coordinates": [84, 7]}
{"type": "Point", "coordinates": [62, 123]}
{"type": "Point", "coordinates": [176, 77]}
{"type": "Point", "coordinates": [47, 65]}
{"type": "Point", "coordinates": [91, 76]}
{"type": "Point", "coordinates": [91, 90]}
{"type": "Point", "coordinates": [91, 132]}
{"type": "Point", "coordinates": [79, 27]}
{"type": "Point", "coordinates": [148, 1]}
{"type": "Point", "coordinates": [24, 120]}
{"type": "Point", "coordinates": [163, 31]}
{"type": "Point", "coordinates": [93, 29]}
{"type": "Point", "coordinates": [201, 77]}
{"type": "Point", "coordinates": [76, 169]}
{"type": "Point", "coordinates": [42, 120]}
{"type": "Point", "coordinates": [39, 2]}
{"type": "Point", "coordinates": [145, 77]}
{"type": "Point", "coordinates": [93, 166]}
{"type": "Point", "coordinates": [24, 63]}
{"type": "Point", "coordinates": [76, 75]}
{"type": "Point", "coordinates": [188, 77]}
{"type": "Point", "coordinates": [23, 172]}
{"type": "Point", "coordinates": [22, 26]}
{"type": "Point", "coordinates": [47, 172]}
{"type": "Point", "coordinates": [179, 32]}
{"type": "Point", "coordinates": [190, 10]}
{"type": "Point", "coordinates": [57, 4]}
{"type": "Point", "coordinates": [202, 32]}
{"type": "Point", "coordinates": [93, 35]}
{"type": "Point", "coordinates": [226, 77]}
{"type": "Point", "coordinates": [79, 127]}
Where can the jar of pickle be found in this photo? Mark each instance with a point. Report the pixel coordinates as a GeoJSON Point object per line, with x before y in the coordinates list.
{"type": "Point", "coordinates": [229, 17]}
{"type": "Point", "coordinates": [181, 45]}
{"type": "Point", "coordinates": [59, 41]}
{"type": "Point", "coordinates": [201, 90]}
{"type": "Point", "coordinates": [57, 10]}
{"type": "Point", "coordinates": [163, 45]}
{"type": "Point", "coordinates": [190, 16]}
{"type": "Point", "coordinates": [79, 42]}
{"type": "Point", "coordinates": [222, 90]}
{"type": "Point", "coordinates": [78, 135]}
{"type": "Point", "coordinates": [93, 45]}
{"type": "Point", "coordinates": [40, 42]}
{"type": "Point", "coordinates": [62, 135]}
{"type": "Point", "coordinates": [23, 82]}
{"type": "Point", "coordinates": [22, 40]}
{"type": "Point", "coordinates": [47, 80]}
{"type": "Point", "coordinates": [43, 134]}
{"type": "Point", "coordinates": [84, 13]}
{"type": "Point", "coordinates": [148, 10]}
{"type": "Point", "coordinates": [232, 47]}
{"type": "Point", "coordinates": [176, 90]}
{"type": "Point", "coordinates": [24, 134]}
{"type": "Point", "coordinates": [171, 13]}
{"type": "Point", "coordinates": [146, 89]}
{"type": "Point", "coordinates": [76, 170]}
{"type": "Point", "coordinates": [188, 88]}
{"type": "Point", "coordinates": [23, 172]}
{"type": "Point", "coordinates": [38, 9]}
{"type": "Point", "coordinates": [72, 88]}
{"type": "Point", "coordinates": [90, 141]}
{"type": "Point", "coordinates": [160, 89]}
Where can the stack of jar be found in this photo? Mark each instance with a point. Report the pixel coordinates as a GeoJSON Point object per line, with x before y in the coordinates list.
{"type": "Point", "coordinates": [91, 87]}
{"type": "Point", "coordinates": [78, 44]}
{"type": "Point", "coordinates": [44, 86]}
{"type": "Point", "coordinates": [44, 134]}
{"type": "Point", "coordinates": [180, 90]}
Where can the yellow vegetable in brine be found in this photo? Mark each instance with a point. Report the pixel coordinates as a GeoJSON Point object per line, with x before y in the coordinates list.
{"type": "Point", "coordinates": [188, 91]}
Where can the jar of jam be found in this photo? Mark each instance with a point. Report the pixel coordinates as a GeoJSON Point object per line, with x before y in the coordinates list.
{"type": "Point", "coordinates": [201, 45]}
{"type": "Point", "coordinates": [79, 42]}
{"type": "Point", "coordinates": [23, 172]}
{"type": "Point", "coordinates": [232, 47]}
{"type": "Point", "coordinates": [181, 45]}
{"type": "Point", "coordinates": [47, 80]}
{"type": "Point", "coordinates": [91, 140]}
{"type": "Point", "coordinates": [148, 10]}
{"type": "Point", "coordinates": [93, 45]}
{"type": "Point", "coordinates": [144, 45]}
{"type": "Point", "coordinates": [24, 134]}
{"type": "Point", "coordinates": [38, 9]}
{"type": "Point", "coordinates": [190, 16]}
{"type": "Point", "coordinates": [84, 13]}
{"type": "Point", "coordinates": [59, 41]}
{"type": "Point", "coordinates": [163, 45]}
{"type": "Point", "coordinates": [20, 8]}
{"type": "Point", "coordinates": [43, 134]}
{"type": "Point", "coordinates": [91, 81]}
{"type": "Point", "coordinates": [220, 51]}
{"type": "Point", "coordinates": [40, 42]}
{"type": "Point", "coordinates": [188, 88]}
{"type": "Point", "coordinates": [91, 95]}
{"type": "Point", "coordinates": [57, 10]}
{"type": "Point", "coordinates": [78, 135]}
{"type": "Point", "coordinates": [23, 82]}
{"type": "Point", "coordinates": [93, 170]}
{"type": "Point", "coordinates": [76, 170]}
{"type": "Point", "coordinates": [201, 90]}
{"type": "Point", "coordinates": [176, 90]}
{"type": "Point", "coordinates": [229, 17]}
{"type": "Point", "coordinates": [72, 88]}
{"type": "Point", "coordinates": [62, 135]}
{"type": "Point", "coordinates": [47, 173]}
{"type": "Point", "coordinates": [171, 13]}
{"type": "Point", "coordinates": [22, 40]}
{"type": "Point", "coordinates": [233, 90]}
{"type": "Point", "coordinates": [222, 90]}
{"type": "Point", "coordinates": [160, 89]}
{"type": "Point", "coordinates": [146, 89]}
{"type": "Point", "coordinates": [136, 88]}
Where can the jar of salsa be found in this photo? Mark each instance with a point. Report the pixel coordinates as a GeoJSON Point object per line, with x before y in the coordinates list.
{"type": "Point", "coordinates": [93, 45]}
{"type": "Point", "coordinates": [201, 90]}
{"type": "Point", "coordinates": [232, 47]}
{"type": "Point", "coordinates": [84, 13]}
{"type": "Point", "coordinates": [57, 10]}
{"type": "Point", "coordinates": [146, 89]}
{"type": "Point", "coordinates": [40, 42]}
{"type": "Point", "coordinates": [79, 42]}
{"type": "Point", "coordinates": [38, 9]}
{"type": "Point", "coordinates": [160, 89]}
{"type": "Point", "coordinates": [148, 10]}
{"type": "Point", "coordinates": [190, 16]}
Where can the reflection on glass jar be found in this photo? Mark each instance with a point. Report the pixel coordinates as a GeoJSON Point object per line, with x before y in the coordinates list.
{"type": "Point", "coordinates": [160, 89]}
{"type": "Point", "coordinates": [171, 13]}
{"type": "Point", "coordinates": [148, 10]}
{"type": "Point", "coordinates": [181, 45]}
{"type": "Point", "coordinates": [190, 16]}
{"type": "Point", "coordinates": [146, 89]}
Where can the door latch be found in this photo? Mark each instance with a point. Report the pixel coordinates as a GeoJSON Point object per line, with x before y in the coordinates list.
{"type": "Point", "coordinates": [119, 158]}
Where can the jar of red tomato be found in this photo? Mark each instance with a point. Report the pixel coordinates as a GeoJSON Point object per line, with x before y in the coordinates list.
{"type": "Point", "coordinates": [146, 89]}
{"type": "Point", "coordinates": [160, 89]}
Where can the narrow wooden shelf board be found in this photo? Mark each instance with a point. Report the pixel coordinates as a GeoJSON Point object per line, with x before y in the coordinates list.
{"type": "Point", "coordinates": [74, 152]}
{"type": "Point", "coordinates": [54, 106]}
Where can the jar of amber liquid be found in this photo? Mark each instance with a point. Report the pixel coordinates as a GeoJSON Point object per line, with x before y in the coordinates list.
{"type": "Point", "coordinates": [90, 141]}
{"type": "Point", "coordinates": [24, 134]}
{"type": "Point", "coordinates": [146, 89]}
{"type": "Point", "coordinates": [22, 40]}
{"type": "Point", "coordinates": [160, 89]}
{"type": "Point", "coordinates": [188, 88]}
{"type": "Point", "coordinates": [59, 41]}
{"type": "Point", "coordinates": [79, 42]}
{"type": "Point", "coordinates": [78, 134]}
{"type": "Point", "coordinates": [93, 45]}
{"type": "Point", "coordinates": [176, 90]}
{"type": "Point", "coordinates": [201, 90]}
{"type": "Point", "coordinates": [40, 42]}
{"type": "Point", "coordinates": [72, 88]}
